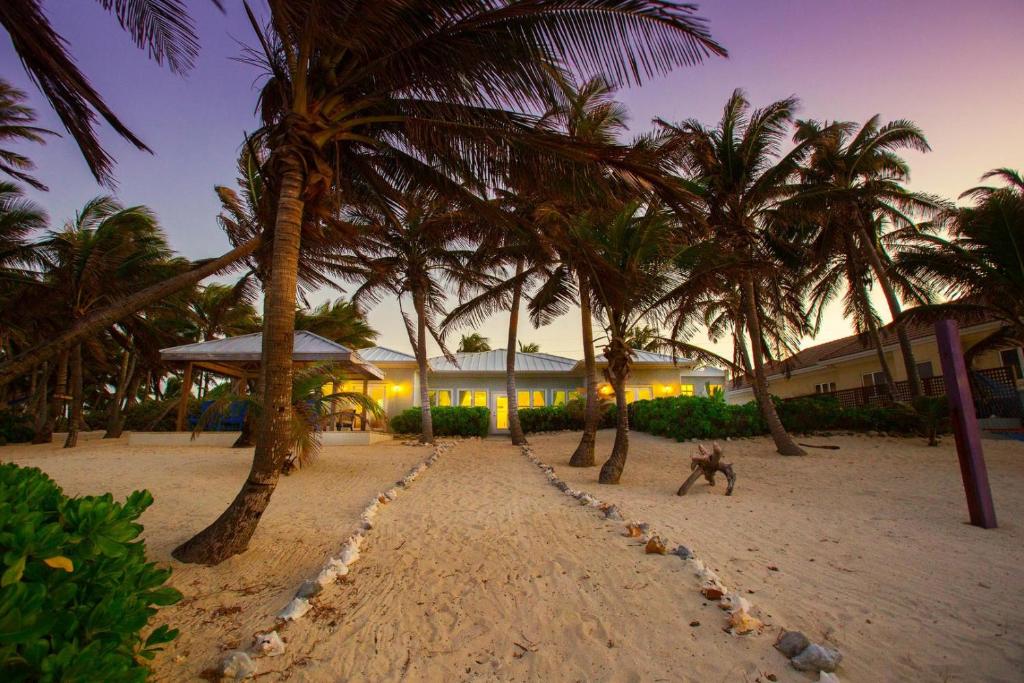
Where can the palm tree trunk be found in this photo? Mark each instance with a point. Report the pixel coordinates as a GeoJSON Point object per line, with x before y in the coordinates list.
{"type": "Point", "coordinates": [114, 417]}
{"type": "Point", "coordinates": [914, 382]}
{"type": "Point", "coordinates": [784, 443]}
{"type": "Point", "coordinates": [876, 341]}
{"type": "Point", "coordinates": [42, 407]}
{"type": "Point", "coordinates": [93, 323]}
{"type": "Point", "coordinates": [618, 370]}
{"type": "Point", "coordinates": [583, 456]}
{"type": "Point", "coordinates": [514, 427]}
{"type": "Point", "coordinates": [75, 418]}
{"type": "Point", "coordinates": [230, 533]}
{"type": "Point", "coordinates": [426, 421]}
{"type": "Point", "coordinates": [60, 387]}
{"type": "Point", "coordinates": [130, 398]}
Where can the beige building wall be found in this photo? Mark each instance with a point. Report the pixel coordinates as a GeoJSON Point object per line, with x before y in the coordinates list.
{"type": "Point", "coordinates": [848, 372]}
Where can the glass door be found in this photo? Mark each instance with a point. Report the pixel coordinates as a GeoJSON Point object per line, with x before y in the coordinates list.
{"type": "Point", "coordinates": [500, 412]}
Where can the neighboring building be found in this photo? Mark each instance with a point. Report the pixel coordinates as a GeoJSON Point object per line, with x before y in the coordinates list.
{"type": "Point", "coordinates": [542, 379]}
{"type": "Point", "coordinates": [849, 362]}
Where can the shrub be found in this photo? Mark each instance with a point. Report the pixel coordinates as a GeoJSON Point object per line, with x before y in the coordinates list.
{"type": "Point", "coordinates": [76, 590]}
{"type": "Point", "coordinates": [15, 428]}
{"type": "Point", "coordinates": [141, 416]}
{"type": "Point", "coordinates": [448, 421]}
{"type": "Point", "coordinates": [695, 417]}
{"type": "Point", "coordinates": [558, 418]}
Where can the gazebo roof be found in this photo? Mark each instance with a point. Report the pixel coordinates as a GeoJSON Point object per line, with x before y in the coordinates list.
{"type": "Point", "coordinates": [245, 349]}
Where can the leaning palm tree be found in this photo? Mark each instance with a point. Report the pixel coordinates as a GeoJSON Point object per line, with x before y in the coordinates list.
{"type": "Point", "coordinates": [736, 170]}
{"type": "Point", "coordinates": [412, 94]}
{"type": "Point", "coordinates": [982, 266]}
{"type": "Point", "coordinates": [474, 343]}
{"type": "Point", "coordinates": [854, 183]}
{"type": "Point", "coordinates": [16, 124]}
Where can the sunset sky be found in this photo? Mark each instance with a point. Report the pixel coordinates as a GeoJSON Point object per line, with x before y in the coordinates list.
{"type": "Point", "coordinates": [952, 67]}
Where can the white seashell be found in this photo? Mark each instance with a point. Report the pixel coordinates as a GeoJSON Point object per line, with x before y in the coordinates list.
{"type": "Point", "coordinates": [268, 644]}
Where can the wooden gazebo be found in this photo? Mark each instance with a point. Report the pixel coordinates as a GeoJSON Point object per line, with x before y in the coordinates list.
{"type": "Point", "coordinates": [239, 358]}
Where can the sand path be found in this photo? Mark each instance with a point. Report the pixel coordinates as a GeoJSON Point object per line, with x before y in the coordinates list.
{"type": "Point", "coordinates": [483, 571]}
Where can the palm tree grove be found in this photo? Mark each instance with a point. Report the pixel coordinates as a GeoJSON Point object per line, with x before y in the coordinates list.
{"type": "Point", "coordinates": [511, 340]}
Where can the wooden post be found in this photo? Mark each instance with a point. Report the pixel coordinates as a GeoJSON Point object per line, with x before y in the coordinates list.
{"type": "Point", "coordinates": [186, 392]}
{"type": "Point", "coordinates": [366, 392]}
{"type": "Point", "coordinates": [965, 425]}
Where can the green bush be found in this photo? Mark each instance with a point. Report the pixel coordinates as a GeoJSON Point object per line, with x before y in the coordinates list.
{"type": "Point", "coordinates": [448, 421]}
{"type": "Point", "coordinates": [141, 416]}
{"type": "Point", "coordinates": [15, 428]}
{"type": "Point", "coordinates": [76, 590]}
{"type": "Point", "coordinates": [699, 417]}
{"type": "Point", "coordinates": [568, 416]}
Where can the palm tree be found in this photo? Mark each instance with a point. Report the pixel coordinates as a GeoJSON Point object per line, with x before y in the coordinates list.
{"type": "Point", "coordinates": [219, 310]}
{"type": "Point", "coordinates": [981, 266]}
{"type": "Point", "coordinates": [103, 252]}
{"type": "Point", "coordinates": [644, 338]}
{"type": "Point", "coordinates": [853, 182]}
{"type": "Point", "coordinates": [340, 321]}
{"type": "Point", "coordinates": [406, 94]}
{"type": "Point", "coordinates": [736, 171]}
{"type": "Point", "coordinates": [474, 343]}
{"type": "Point", "coordinates": [16, 121]}
{"type": "Point", "coordinates": [413, 252]}
{"type": "Point", "coordinates": [161, 26]}
{"type": "Point", "coordinates": [531, 347]}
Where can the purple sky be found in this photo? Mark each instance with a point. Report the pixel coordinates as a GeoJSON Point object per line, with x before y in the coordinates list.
{"type": "Point", "coordinates": [950, 66]}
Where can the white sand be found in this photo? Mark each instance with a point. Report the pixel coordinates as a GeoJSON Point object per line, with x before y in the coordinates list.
{"type": "Point", "coordinates": [311, 513]}
{"type": "Point", "coordinates": [483, 571]}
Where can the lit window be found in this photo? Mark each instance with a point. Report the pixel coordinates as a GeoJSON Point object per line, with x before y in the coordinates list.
{"type": "Point", "coordinates": [713, 389]}
{"type": "Point", "coordinates": [538, 399]}
{"type": "Point", "coordinates": [644, 393]}
{"type": "Point", "coordinates": [465, 398]}
{"type": "Point", "coordinates": [441, 397]}
{"type": "Point", "coordinates": [523, 399]}
{"type": "Point", "coordinates": [686, 390]}
{"type": "Point", "coordinates": [558, 397]}
{"type": "Point", "coordinates": [480, 399]}
{"type": "Point", "coordinates": [377, 393]}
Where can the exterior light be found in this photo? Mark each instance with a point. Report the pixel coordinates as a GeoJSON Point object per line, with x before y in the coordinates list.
{"type": "Point", "coordinates": [396, 388]}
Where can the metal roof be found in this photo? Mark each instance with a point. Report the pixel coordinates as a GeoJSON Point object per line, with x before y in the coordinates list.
{"type": "Point", "coordinates": [707, 371]}
{"type": "Point", "coordinates": [248, 348]}
{"type": "Point", "coordinates": [650, 358]}
{"type": "Point", "coordinates": [380, 354]}
{"type": "Point", "coordinates": [494, 361]}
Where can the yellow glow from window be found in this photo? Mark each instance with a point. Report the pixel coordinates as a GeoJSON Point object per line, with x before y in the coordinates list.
{"type": "Point", "coordinates": [606, 390]}
{"type": "Point", "coordinates": [686, 389]}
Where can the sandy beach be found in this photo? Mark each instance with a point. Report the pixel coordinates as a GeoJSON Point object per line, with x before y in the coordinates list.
{"type": "Point", "coordinates": [483, 571]}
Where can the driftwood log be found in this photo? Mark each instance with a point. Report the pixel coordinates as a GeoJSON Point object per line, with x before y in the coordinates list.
{"type": "Point", "coordinates": [708, 464]}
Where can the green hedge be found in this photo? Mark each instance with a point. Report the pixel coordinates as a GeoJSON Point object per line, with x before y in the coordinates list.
{"type": "Point", "coordinates": [76, 591]}
{"type": "Point", "coordinates": [447, 420]}
{"type": "Point", "coordinates": [558, 418]}
{"type": "Point", "coordinates": [699, 417]}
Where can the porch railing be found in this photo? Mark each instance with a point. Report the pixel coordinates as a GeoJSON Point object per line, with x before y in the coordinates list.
{"type": "Point", "coordinates": [994, 390]}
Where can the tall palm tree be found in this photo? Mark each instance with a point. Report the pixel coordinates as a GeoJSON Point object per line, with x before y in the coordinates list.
{"type": "Point", "coordinates": [219, 310]}
{"type": "Point", "coordinates": [737, 171]}
{"type": "Point", "coordinates": [854, 182]}
{"type": "Point", "coordinates": [16, 121]}
{"type": "Point", "coordinates": [162, 27]}
{"type": "Point", "coordinates": [981, 266]}
{"type": "Point", "coordinates": [402, 94]}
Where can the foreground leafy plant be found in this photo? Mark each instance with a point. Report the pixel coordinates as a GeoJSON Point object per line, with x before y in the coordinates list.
{"type": "Point", "coordinates": [76, 591]}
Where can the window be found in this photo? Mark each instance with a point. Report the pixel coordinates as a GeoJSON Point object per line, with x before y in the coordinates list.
{"type": "Point", "coordinates": [378, 392]}
{"type": "Point", "coordinates": [1011, 357]}
{"type": "Point", "coordinates": [472, 398]}
{"type": "Point", "coordinates": [441, 397]}
{"type": "Point", "coordinates": [712, 389]}
{"type": "Point", "coordinates": [874, 379]}
{"type": "Point", "coordinates": [924, 370]}
{"type": "Point", "coordinates": [558, 397]}
{"type": "Point", "coordinates": [644, 393]}
{"type": "Point", "coordinates": [575, 395]}
{"type": "Point", "coordinates": [538, 399]}
{"type": "Point", "coordinates": [523, 399]}
{"type": "Point", "coordinates": [686, 390]}
{"type": "Point", "coordinates": [825, 388]}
